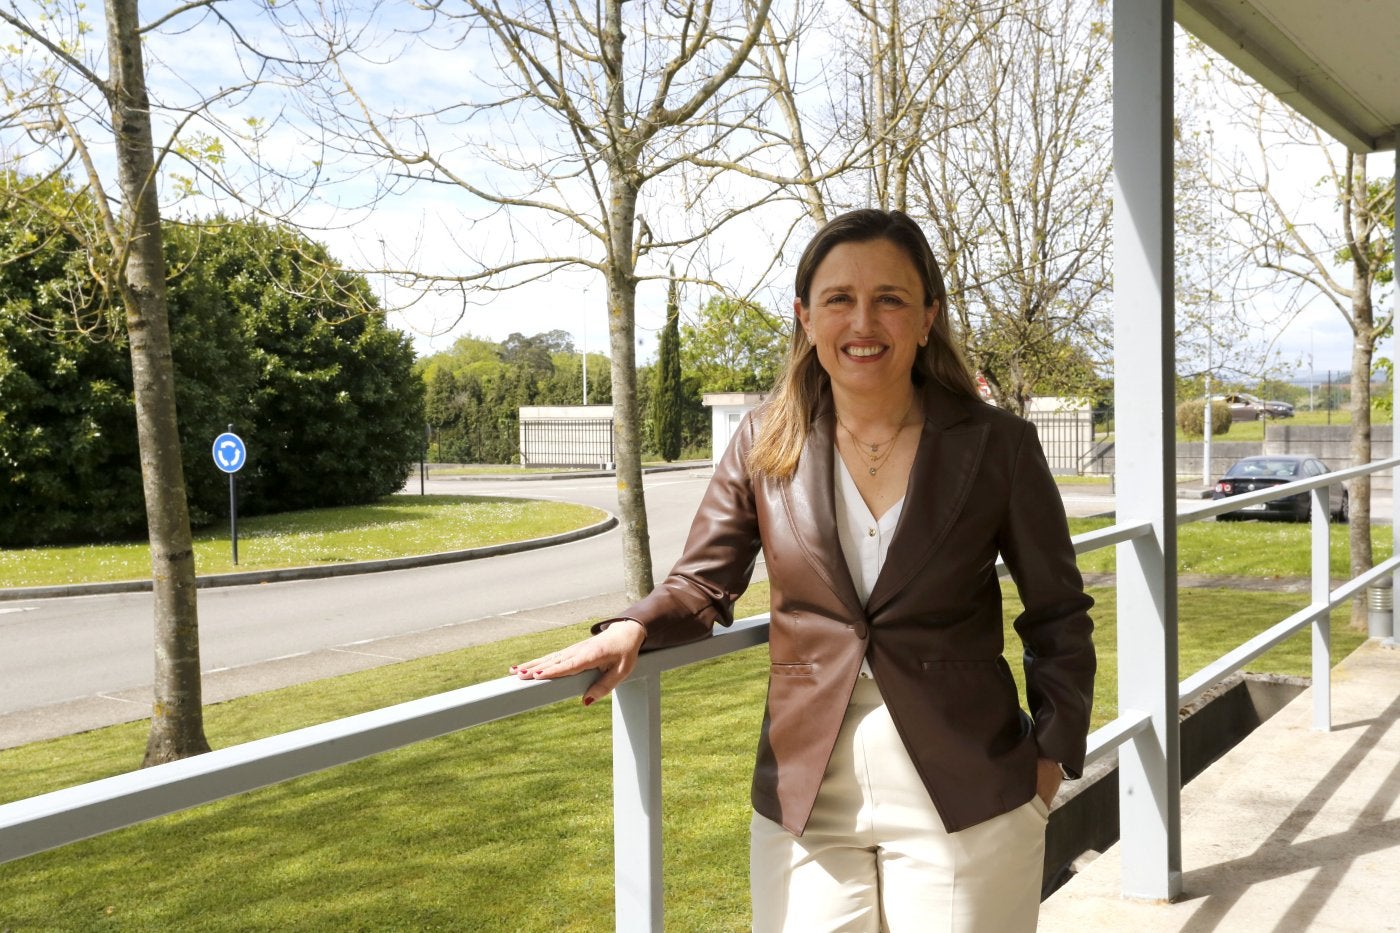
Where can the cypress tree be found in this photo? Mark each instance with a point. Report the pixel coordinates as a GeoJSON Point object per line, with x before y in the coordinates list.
{"type": "Point", "coordinates": [667, 396]}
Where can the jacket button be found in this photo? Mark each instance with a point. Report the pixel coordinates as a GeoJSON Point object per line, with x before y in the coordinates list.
{"type": "Point", "coordinates": [862, 630]}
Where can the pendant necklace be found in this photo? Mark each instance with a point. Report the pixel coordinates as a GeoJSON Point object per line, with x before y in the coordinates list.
{"type": "Point", "coordinates": [874, 455]}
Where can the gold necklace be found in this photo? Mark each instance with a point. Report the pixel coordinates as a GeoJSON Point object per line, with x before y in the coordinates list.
{"type": "Point", "coordinates": [874, 456]}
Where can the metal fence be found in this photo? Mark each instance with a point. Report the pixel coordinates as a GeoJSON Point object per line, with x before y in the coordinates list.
{"type": "Point", "coordinates": [572, 442]}
{"type": "Point", "coordinates": [1067, 438]}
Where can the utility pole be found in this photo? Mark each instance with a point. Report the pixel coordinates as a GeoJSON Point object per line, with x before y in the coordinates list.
{"type": "Point", "coordinates": [1210, 307]}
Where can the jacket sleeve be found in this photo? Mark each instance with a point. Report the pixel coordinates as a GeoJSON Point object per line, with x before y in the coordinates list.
{"type": "Point", "coordinates": [1054, 627]}
{"type": "Point", "coordinates": [717, 562]}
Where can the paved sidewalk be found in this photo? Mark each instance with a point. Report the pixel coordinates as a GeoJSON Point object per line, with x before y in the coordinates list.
{"type": "Point", "coordinates": [1292, 830]}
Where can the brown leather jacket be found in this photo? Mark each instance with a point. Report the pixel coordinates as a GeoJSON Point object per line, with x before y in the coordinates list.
{"type": "Point", "coordinates": [932, 628]}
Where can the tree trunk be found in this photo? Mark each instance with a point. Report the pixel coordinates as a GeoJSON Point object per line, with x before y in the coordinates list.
{"type": "Point", "coordinates": [1362, 349]}
{"type": "Point", "coordinates": [177, 717]}
{"type": "Point", "coordinates": [622, 317]}
{"type": "Point", "coordinates": [623, 189]}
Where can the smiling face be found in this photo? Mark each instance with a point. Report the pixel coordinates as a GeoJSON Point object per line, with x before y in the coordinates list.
{"type": "Point", "coordinates": [866, 319]}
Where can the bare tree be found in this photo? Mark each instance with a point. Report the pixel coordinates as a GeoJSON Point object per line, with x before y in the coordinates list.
{"type": "Point", "coordinates": [590, 111]}
{"type": "Point", "coordinates": [906, 92]}
{"type": "Point", "coordinates": [1340, 259]}
{"type": "Point", "coordinates": [63, 119]}
{"type": "Point", "coordinates": [989, 121]}
{"type": "Point", "coordinates": [853, 131]}
{"type": "Point", "coordinates": [1018, 191]}
{"type": "Point", "coordinates": [1222, 336]}
{"type": "Point", "coordinates": [845, 130]}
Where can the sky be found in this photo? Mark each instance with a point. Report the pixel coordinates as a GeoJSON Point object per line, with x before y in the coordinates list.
{"type": "Point", "coordinates": [437, 228]}
{"type": "Point", "coordinates": [1302, 332]}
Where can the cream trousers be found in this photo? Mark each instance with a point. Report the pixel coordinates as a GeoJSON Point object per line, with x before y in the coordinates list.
{"type": "Point", "coordinates": [875, 856]}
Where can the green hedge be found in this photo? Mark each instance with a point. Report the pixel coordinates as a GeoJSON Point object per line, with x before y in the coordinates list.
{"type": "Point", "coordinates": [268, 334]}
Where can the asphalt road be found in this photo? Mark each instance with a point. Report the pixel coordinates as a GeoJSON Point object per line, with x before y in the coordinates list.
{"type": "Point", "coordinates": [69, 664]}
{"type": "Point", "coordinates": [58, 650]}
{"type": "Point", "coordinates": [75, 663]}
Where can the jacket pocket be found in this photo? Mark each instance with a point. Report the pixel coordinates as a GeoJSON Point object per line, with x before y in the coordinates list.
{"type": "Point", "coordinates": [959, 665]}
{"type": "Point", "coordinates": [995, 666]}
{"type": "Point", "coordinates": [792, 669]}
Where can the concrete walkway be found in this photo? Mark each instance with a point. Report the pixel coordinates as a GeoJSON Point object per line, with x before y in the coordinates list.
{"type": "Point", "coordinates": [1293, 830]}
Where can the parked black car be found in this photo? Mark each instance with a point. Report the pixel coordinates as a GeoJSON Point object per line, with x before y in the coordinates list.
{"type": "Point", "coordinates": [1254, 473]}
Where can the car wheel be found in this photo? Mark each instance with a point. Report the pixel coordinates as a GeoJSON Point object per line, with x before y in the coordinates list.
{"type": "Point", "coordinates": [1343, 515]}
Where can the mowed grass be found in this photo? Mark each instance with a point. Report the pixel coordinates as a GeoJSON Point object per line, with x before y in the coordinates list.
{"type": "Point", "coordinates": [1254, 430]}
{"type": "Point", "coordinates": [1267, 549]}
{"type": "Point", "coordinates": [505, 827]}
{"type": "Point", "coordinates": [395, 526]}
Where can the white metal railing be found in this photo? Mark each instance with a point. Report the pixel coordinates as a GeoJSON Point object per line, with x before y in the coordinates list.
{"type": "Point", "coordinates": [58, 818]}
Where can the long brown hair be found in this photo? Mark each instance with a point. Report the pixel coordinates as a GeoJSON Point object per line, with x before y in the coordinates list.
{"type": "Point", "coordinates": [788, 415]}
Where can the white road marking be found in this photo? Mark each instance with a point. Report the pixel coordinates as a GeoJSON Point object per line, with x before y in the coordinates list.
{"type": "Point", "coordinates": [368, 654]}
{"type": "Point", "coordinates": [19, 609]}
{"type": "Point", "coordinates": [107, 696]}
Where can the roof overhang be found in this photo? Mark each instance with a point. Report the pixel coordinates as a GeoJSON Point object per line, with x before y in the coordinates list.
{"type": "Point", "coordinates": [1336, 62]}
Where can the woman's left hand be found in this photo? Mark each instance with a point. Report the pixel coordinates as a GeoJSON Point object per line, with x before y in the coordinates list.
{"type": "Point", "coordinates": [1048, 778]}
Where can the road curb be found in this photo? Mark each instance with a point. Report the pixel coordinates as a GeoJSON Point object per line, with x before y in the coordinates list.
{"type": "Point", "coordinates": [315, 572]}
{"type": "Point", "coordinates": [547, 477]}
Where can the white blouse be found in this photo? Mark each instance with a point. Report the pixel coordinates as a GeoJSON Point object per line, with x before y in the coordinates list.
{"type": "Point", "coordinates": [865, 540]}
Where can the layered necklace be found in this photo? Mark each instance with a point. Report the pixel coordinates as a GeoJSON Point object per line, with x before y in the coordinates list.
{"type": "Point", "coordinates": [876, 454]}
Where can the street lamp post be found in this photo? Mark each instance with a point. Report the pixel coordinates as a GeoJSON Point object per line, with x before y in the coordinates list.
{"type": "Point", "coordinates": [1210, 307]}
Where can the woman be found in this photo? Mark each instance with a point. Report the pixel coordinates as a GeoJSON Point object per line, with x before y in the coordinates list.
{"type": "Point", "coordinates": [898, 786]}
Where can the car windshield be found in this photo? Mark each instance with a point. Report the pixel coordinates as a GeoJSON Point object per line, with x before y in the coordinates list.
{"type": "Point", "coordinates": [1265, 466]}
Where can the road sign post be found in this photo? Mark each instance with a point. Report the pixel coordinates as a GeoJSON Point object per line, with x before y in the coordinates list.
{"type": "Point", "coordinates": [229, 455]}
{"type": "Point", "coordinates": [423, 463]}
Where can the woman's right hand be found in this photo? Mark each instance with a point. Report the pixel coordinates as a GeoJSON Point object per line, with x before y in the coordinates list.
{"type": "Point", "coordinates": [612, 652]}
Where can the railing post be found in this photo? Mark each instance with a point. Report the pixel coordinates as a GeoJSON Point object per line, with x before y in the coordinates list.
{"type": "Point", "coordinates": [636, 721]}
{"type": "Point", "coordinates": [1322, 625]}
{"type": "Point", "coordinates": [1149, 774]}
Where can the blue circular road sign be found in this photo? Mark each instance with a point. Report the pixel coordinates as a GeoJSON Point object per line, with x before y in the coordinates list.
{"type": "Point", "coordinates": [229, 452]}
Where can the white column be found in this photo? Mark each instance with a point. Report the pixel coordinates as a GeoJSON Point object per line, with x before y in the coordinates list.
{"type": "Point", "coordinates": [1144, 386]}
{"type": "Point", "coordinates": [636, 722]}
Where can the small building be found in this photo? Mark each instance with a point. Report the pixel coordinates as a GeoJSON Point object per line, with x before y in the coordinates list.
{"type": "Point", "coordinates": [727, 409]}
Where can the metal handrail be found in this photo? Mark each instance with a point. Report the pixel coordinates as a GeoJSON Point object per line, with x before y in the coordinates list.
{"type": "Point", "coordinates": [50, 820]}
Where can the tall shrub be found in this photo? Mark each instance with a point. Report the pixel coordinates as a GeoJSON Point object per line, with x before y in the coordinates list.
{"type": "Point", "coordinates": [267, 333]}
{"type": "Point", "coordinates": [667, 397]}
{"type": "Point", "coordinates": [1191, 418]}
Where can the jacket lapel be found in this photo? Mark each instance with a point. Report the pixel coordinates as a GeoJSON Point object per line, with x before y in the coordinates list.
{"type": "Point", "coordinates": [939, 483]}
{"type": "Point", "coordinates": [810, 502]}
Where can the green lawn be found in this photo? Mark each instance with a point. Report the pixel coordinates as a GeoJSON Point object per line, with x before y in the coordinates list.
{"type": "Point", "coordinates": [1254, 430]}
{"type": "Point", "coordinates": [1254, 548]}
{"type": "Point", "coordinates": [395, 526]}
{"type": "Point", "coordinates": [506, 827]}
{"type": "Point", "coordinates": [1089, 480]}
